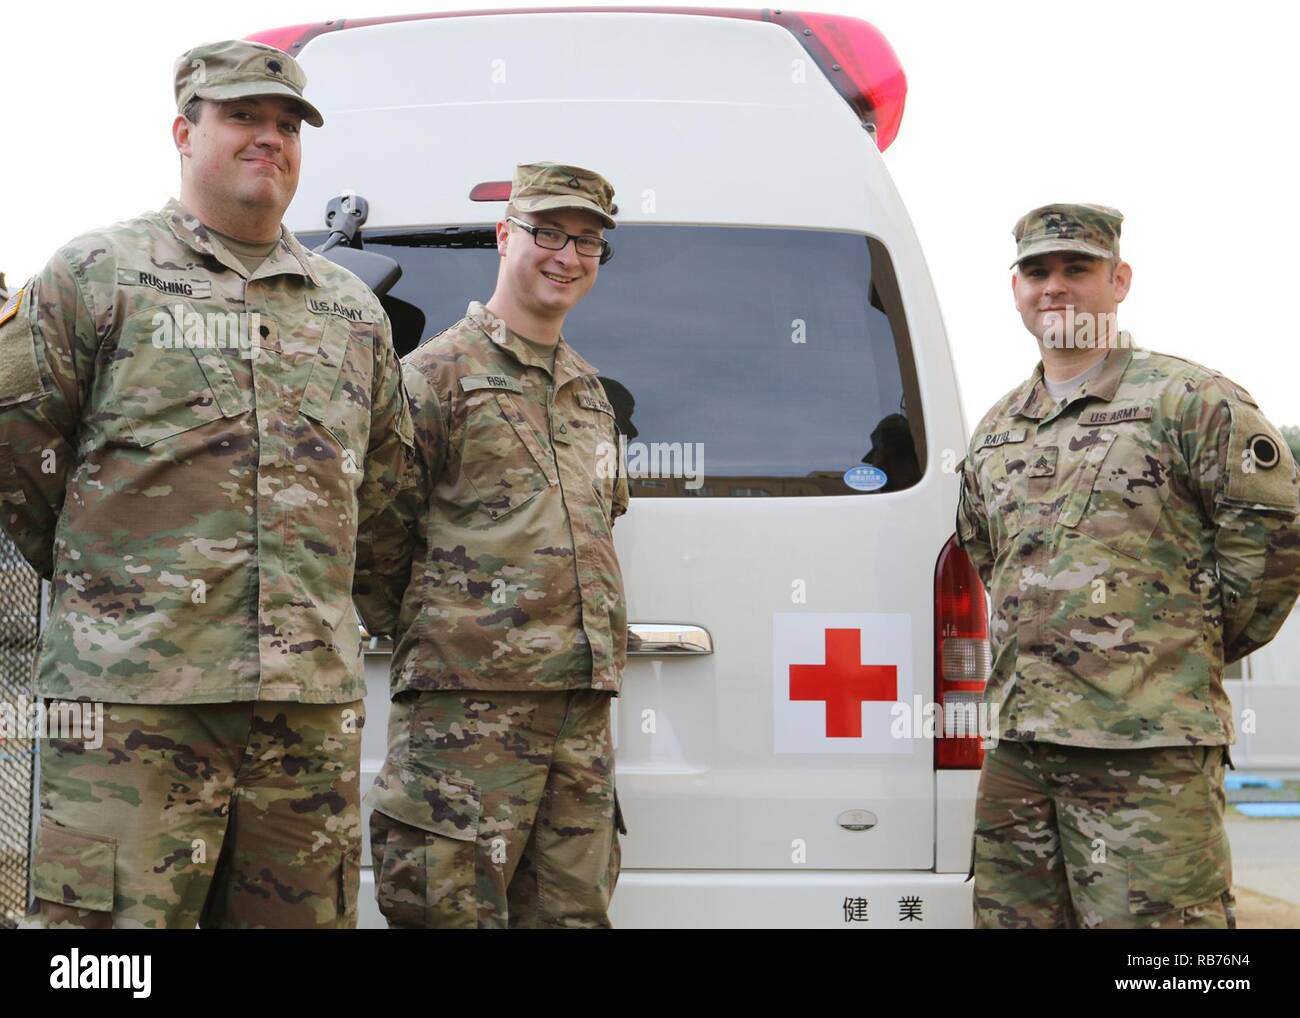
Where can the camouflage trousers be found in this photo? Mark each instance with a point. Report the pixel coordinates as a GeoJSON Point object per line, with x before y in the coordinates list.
{"type": "Point", "coordinates": [1102, 838]}
{"type": "Point", "coordinates": [496, 809]}
{"type": "Point", "coordinates": [229, 815]}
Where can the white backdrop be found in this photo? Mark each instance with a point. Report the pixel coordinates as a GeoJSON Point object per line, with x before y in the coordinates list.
{"type": "Point", "coordinates": [1181, 115]}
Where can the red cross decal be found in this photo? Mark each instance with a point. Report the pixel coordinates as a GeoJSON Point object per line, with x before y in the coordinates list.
{"type": "Point", "coordinates": [844, 683]}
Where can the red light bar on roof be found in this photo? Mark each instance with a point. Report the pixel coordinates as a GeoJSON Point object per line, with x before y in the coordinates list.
{"type": "Point", "coordinates": [292, 38]}
{"type": "Point", "coordinates": [853, 55]}
{"type": "Point", "coordinates": [861, 65]}
{"type": "Point", "coordinates": [491, 190]}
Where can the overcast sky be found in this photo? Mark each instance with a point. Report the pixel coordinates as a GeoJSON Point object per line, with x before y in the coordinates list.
{"type": "Point", "coordinates": [1180, 115]}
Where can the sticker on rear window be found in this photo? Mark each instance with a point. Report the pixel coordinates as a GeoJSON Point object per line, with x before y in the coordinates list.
{"type": "Point", "coordinates": [865, 478]}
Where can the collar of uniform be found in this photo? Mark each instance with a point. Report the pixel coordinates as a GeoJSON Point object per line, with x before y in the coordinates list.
{"type": "Point", "coordinates": [1105, 382]}
{"type": "Point", "coordinates": [287, 256]}
{"type": "Point", "coordinates": [569, 364]}
{"type": "Point", "coordinates": [1032, 399]}
{"type": "Point", "coordinates": [1035, 401]}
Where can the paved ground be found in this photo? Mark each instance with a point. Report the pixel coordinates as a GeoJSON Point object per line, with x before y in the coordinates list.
{"type": "Point", "coordinates": [1265, 871]}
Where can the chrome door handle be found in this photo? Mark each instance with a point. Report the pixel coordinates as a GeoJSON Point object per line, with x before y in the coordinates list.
{"type": "Point", "coordinates": [654, 638]}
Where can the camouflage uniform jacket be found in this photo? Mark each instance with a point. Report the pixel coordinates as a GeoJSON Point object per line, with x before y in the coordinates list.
{"type": "Point", "coordinates": [507, 534]}
{"type": "Point", "coordinates": [187, 452]}
{"type": "Point", "coordinates": [1132, 539]}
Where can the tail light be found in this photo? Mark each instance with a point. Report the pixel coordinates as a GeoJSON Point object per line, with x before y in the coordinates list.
{"type": "Point", "coordinates": [853, 55]}
{"type": "Point", "coordinates": [962, 658]}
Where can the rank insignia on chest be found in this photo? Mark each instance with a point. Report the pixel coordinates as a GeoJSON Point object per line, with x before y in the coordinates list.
{"type": "Point", "coordinates": [1042, 463]}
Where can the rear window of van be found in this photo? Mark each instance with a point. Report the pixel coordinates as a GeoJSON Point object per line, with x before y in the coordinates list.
{"type": "Point", "coordinates": [741, 362]}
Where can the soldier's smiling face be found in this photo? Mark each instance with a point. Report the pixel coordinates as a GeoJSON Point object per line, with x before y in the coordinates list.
{"type": "Point", "coordinates": [1055, 290]}
{"type": "Point", "coordinates": [549, 283]}
{"type": "Point", "coordinates": [244, 152]}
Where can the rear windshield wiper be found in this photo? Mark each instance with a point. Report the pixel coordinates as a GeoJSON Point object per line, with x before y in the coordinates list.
{"type": "Point", "coordinates": [451, 236]}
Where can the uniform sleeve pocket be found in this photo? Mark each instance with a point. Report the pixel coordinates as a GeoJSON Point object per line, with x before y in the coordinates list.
{"type": "Point", "coordinates": [73, 868]}
{"type": "Point", "coordinates": [423, 829]}
{"type": "Point", "coordinates": [1164, 881]}
{"type": "Point", "coordinates": [20, 374]}
{"type": "Point", "coordinates": [1261, 472]}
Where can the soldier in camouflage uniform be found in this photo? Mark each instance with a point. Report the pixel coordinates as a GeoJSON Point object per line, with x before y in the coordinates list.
{"type": "Point", "coordinates": [193, 424]}
{"type": "Point", "coordinates": [1134, 518]}
{"type": "Point", "coordinates": [496, 804]}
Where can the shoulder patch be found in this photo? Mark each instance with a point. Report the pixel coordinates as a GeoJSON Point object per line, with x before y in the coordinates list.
{"type": "Point", "coordinates": [11, 306]}
{"type": "Point", "coordinates": [20, 371]}
{"type": "Point", "coordinates": [472, 383]}
{"type": "Point", "coordinates": [1256, 452]}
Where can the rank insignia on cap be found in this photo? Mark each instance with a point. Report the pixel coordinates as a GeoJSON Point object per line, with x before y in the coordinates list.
{"type": "Point", "coordinates": [11, 306]}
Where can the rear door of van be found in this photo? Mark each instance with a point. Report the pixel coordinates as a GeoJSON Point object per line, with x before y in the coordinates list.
{"type": "Point", "coordinates": [769, 336]}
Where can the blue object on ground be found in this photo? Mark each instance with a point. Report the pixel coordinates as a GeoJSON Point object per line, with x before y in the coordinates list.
{"type": "Point", "coordinates": [1270, 809]}
{"type": "Point", "coordinates": [1235, 781]}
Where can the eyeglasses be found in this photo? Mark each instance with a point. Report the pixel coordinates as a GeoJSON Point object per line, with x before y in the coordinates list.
{"type": "Point", "coordinates": [556, 240]}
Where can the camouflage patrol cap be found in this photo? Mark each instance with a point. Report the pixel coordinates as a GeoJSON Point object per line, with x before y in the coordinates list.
{"type": "Point", "coordinates": [539, 187]}
{"type": "Point", "coordinates": [1088, 229]}
{"type": "Point", "coordinates": [237, 69]}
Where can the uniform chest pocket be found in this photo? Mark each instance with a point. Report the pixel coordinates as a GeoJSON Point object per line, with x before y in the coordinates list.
{"type": "Point", "coordinates": [595, 437]}
{"type": "Point", "coordinates": [1002, 473]}
{"type": "Point", "coordinates": [169, 375]}
{"type": "Point", "coordinates": [1119, 493]}
{"type": "Point", "coordinates": [337, 393]}
{"type": "Point", "coordinates": [501, 454]}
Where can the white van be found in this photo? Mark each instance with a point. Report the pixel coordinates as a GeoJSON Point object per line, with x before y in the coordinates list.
{"type": "Point", "coordinates": [769, 332]}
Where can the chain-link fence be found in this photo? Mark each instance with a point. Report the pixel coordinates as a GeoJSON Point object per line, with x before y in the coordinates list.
{"type": "Point", "coordinates": [20, 612]}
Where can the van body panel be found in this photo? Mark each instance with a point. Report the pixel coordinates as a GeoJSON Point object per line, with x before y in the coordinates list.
{"type": "Point", "coordinates": [704, 122]}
